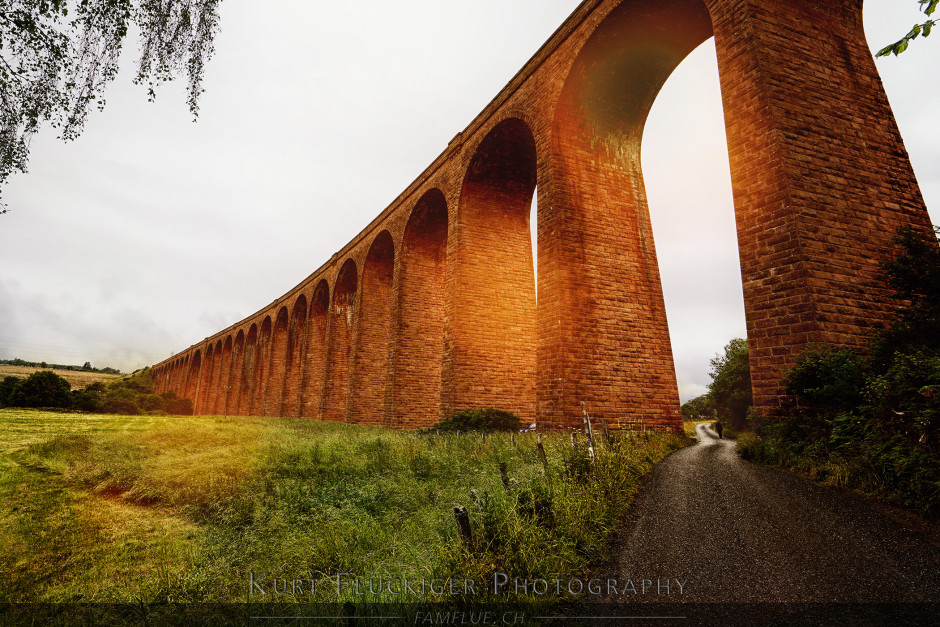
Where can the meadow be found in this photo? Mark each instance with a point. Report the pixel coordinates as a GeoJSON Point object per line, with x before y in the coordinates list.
{"type": "Point", "coordinates": [76, 378]}
{"type": "Point", "coordinates": [172, 509]}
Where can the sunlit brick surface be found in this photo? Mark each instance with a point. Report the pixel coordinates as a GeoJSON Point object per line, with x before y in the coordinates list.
{"type": "Point", "coordinates": [431, 308]}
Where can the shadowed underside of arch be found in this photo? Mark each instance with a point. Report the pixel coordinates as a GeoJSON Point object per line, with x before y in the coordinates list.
{"type": "Point", "coordinates": [444, 315]}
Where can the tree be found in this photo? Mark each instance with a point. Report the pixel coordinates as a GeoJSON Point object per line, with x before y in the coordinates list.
{"type": "Point", "coordinates": [730, 389]}
{"type": "Point", "coordinates": [7, 386]}
{"type": "Point", "coordinates": [54, 66]}
{"type": "Point", "coordinates": [922, 29]}
{"type": "Point", "coordinates": [42, 389]}
{"type": "Point", "coordinates": [914, 275]}
{"type": "Point", "coordinates": [698, 408]}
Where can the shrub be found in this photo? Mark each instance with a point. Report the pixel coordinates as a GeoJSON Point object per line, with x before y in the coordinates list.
{"type": "Point", "coordinates": [485, 419]}
{"type": "Point", "coordinates": [119, 406]}
{"type": "Point", "coordinates": [151, 402]}
{"type": "Point", "coordinates": [7, 385]}
{"type": "Point", "coordinates": [88, 399]}
{"type": "Point", "coordinates": [826, 380]}
{"type": "Point", "coordinates": [179, 407]}
{"type": "Point", "coordinates": [42, 389]}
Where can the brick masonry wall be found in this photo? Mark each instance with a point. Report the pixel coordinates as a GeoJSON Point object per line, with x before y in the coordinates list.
{"type": "Point", "coordinates": [443, 314]}
{"type": "Point", "coordinates": [820, 176]}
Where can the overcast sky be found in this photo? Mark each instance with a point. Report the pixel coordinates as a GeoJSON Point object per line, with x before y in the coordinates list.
{"type": "Point", "coordinates": [151, 232]}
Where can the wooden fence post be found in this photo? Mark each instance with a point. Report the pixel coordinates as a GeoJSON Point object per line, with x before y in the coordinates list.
{"type": "Point", "coordinates": [542, 455]}
{"type": "Point", "coordinates": [504, 474]}
{"type": "Point", "coordinates": [463, 526]}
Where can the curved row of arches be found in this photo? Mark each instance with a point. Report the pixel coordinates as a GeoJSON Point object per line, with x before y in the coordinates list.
{"type": "Point", "coordinates": [331, 353]}
{"type": "Point", "coordinates": [433, 307]}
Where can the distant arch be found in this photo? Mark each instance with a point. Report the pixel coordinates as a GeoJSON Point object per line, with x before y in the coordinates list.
{"type": "Point", "coordinates": [192, 379]}
{"type": "Point", "coordinates": [248, 372]}
{"type": "Point", "coordinates": [341, 325]}
{"type": "Point", "coordinates": [237, 374]}
{"type": "Point", "coordinates": [371, 360]}
{"type": "Point", "coordinates": [201, 404]}
{"type": "Point", "coordinates": [225, 374]}
{"type": "Point", "coordinates": [420, 349]}
{"type": "Point", "coordinates": [274, 384]}
{"type": "Point", "coordinates": [290, 405]}
{"type": "Point", "coordinates": [263, 351]}
{"type": "Point", "coordinates": [314, 362]}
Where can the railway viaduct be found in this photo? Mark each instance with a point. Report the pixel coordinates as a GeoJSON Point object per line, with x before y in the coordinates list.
{"type": "Point", "coordinates": [432, 307]}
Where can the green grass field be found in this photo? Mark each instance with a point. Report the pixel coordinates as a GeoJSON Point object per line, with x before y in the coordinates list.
{"type": "Point", "coordinates": [157, 509]}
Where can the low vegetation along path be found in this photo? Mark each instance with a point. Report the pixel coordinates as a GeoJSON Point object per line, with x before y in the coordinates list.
{"type": "Point", "coordinates": [737, 532]}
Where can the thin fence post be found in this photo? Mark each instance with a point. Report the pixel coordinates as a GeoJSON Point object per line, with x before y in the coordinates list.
{"type": "Point", "coordinates": [542, 455]}
{"type": "Point", "coordinates": [462, 516]}
{"type": "Point", "coordinates": [574, 439]}
{"type": "Point", "coordinates": [504, 474]}
{"type": "Point", "coordinates": [606, 430]}
{"type": "Point", "coordinates": [588, 432]}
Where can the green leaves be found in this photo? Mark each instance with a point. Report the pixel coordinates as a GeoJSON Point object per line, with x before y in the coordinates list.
{"type": "Point", "coordinates": [928, 7]}
{"type": "Point", "coordinates": [55, 67]}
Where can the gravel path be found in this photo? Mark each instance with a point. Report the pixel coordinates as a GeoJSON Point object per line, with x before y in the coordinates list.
{"type": "Point", "coordinates": [739, 533]}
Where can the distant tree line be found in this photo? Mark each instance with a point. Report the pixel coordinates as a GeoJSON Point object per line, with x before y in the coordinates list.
{"type": "Point", "coordinates": [41, 364]}
{"type": "Point", "coordinates": [130, 395]}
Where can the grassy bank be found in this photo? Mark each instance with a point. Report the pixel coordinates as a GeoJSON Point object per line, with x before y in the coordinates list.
{"type": "Point", "coordinates": [171, 509]}
{"type": "Point", "coordinates": [854, 454]}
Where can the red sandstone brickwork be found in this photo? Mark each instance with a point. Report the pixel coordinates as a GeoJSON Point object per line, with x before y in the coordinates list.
{"type": "Point", "coordinates": [418, 347]}
{"type": "Point", "coordinates": [370, 370]}
{"type": "Point", "coordinates": [820, 175]}
{"type": "Point", "coordinates": [444, 314]}
{"type": "Point", "coordinates": [341, 316]}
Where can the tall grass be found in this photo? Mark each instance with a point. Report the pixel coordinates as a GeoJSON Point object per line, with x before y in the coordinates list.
{"type": "Point", "coordinates": [186, 509]}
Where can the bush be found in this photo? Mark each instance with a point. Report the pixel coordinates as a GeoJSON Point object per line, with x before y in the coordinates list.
{"type": "Point", "coordinates": [119, 406]}
{"type": "Point", "coordinates": [42, 389]}
{"type": "Point", "coordinates": [826, 380]}
{"type": "Point", "coordinates": [151, 402]}
{"type": "Point", "coordinates": [485, 419]}
{"type": "Point", "coordinates": [6, 389]}
{"type": "Point", "coordinates": [179, 407]}
{"type": "Point", "coordinates": [88, 399]}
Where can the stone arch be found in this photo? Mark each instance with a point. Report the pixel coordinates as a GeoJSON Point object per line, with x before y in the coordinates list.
{"type": "Point", "coordinates": [314, 362]}
{"type": "Point", "coordinates": [604, 339]}
{"type": "Point", "coordinates": [194, 373]}
{"type": "Point", "coordinates": [262, 357]}
{"type": "Point", "coordinates": [274, 379]}
{"type": "Point", "coordinates": [237, 374]}
{"type": "Point", "coordinates": [201, 404]}
{"type": "Point", "coordinates": [184, 377]}
{"type": "Point", "coordinates": [419, 350]}
{"type": "Point", "coordinates": [491, 357]}
{"type": "Point", "coordinates": [174, 383]}
{"type": "Point", "coordinates": [225, 378]}
{"type": "Point", "coordinates": [341, 320]}
{"type": "Point", "coordinates": [249, 366]}
{"type": "Point", "coordinates": [215, 372]}
{"type": "Point", "coordinates": [371, 366]}
{"type": "Point", "coordinates": [290, 404]}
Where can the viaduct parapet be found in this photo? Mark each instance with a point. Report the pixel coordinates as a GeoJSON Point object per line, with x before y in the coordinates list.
{"type": "Point", "coordinates": [432, 308]}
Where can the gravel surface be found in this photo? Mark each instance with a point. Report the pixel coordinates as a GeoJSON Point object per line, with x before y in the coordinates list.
{"type": "Point", "coordinates": [738, 533]}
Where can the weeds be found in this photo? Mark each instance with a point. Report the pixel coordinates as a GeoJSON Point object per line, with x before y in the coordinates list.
{"type": "Point", "coordinates": [186, 509]}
